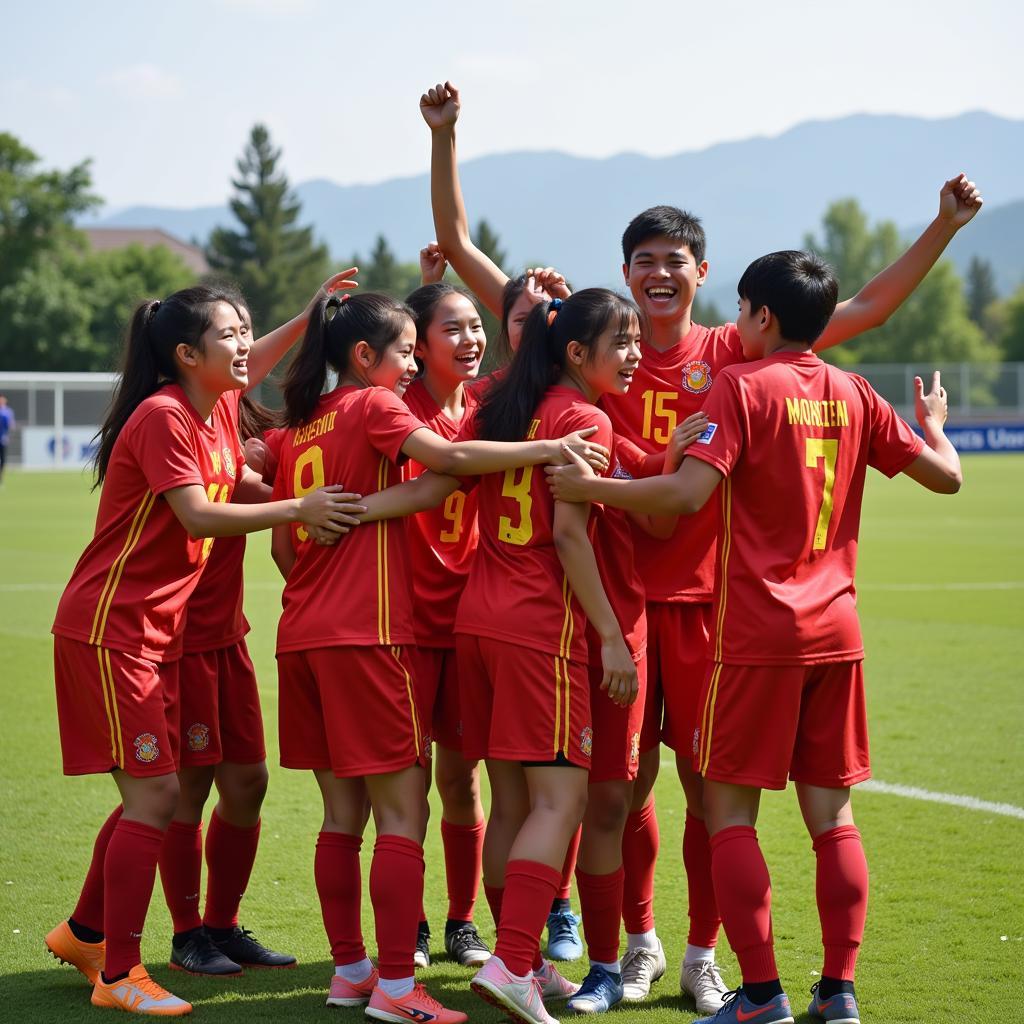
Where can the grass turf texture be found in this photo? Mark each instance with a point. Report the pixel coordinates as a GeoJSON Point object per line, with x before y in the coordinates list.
{"type": "Point", "coordinates": [945, 938]}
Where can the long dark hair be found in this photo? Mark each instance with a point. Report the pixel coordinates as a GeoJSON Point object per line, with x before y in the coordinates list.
{"type": "Point", "coordinates": [255, 419]}
{"type": "Point", "coordinates": [335, 325]}
{"type": "Point", "coordinates": [509, 403]}
{"type": "Point", "coordinates": [157, 328]}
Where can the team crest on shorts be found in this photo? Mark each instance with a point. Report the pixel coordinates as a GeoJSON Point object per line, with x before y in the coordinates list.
{"type": "Point", "coordinates": [634, 749]}
{"type": "Point", "coordinates": [198, 736]}
{"type": "Point", "coordinates": [428, 747]}
{"type": "Point", "coordinates": [697, 376]}
{"type": "Point", "coordinates": [696, 742]}
{"type": "Point", "coordinates": [586, 740]}
{"type": "Point", "coordinates": [146, 747]}
{"type": "Point", "coordinates": [620, 472]}
{"type": "Point", "coordinates": [229, 461]}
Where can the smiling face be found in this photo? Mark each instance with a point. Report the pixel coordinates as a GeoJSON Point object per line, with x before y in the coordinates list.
{"type": "Point", "coordinates": [396, 368]}
{"type": "Point", "coordinates": [663, 278]}
{"type": "Point", "coordinates": [613, 360]}
{"type": "Point", "coordinates": [454, 344]}
{"type": "Point", "coordinates": [220, 362]}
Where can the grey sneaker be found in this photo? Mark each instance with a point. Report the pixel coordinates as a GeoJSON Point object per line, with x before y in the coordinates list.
{"type": "Point", "coordinates": [641, 968]}
{"type": "Point", "coordinates": [702, 980]}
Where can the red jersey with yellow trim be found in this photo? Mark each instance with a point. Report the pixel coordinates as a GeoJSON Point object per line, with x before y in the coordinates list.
{"type": "Point", "coordinates": [129, 588]}
{"type": "Point", "coordinates": [793, 437]}
{"type": "Point", "coordinates": [442, 540]}
{"type": "Point", "coordinates": [355, 593]}
{"type": "Point", "coordinates": [517, 590]}
{"type": "Point", "coordinates": [667, 387]}
{"type": "Point", "coordinates": [215, 617]}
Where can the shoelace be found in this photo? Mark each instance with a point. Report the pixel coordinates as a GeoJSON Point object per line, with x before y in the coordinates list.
{"type": "Point", "coordinates": [728, 1000]}
{"type": "Point", "coordinates": [646, 960]}
{"type": "Point", "coordinates": [710, 968]}
{"type": "Point", "coordinates": [150, 987]}
{"type": "Point", "coordinates": [468, 938]}
{"type": "Point", "coordinates": [421, 994]}
{"type": "Point", "coordinates": [564, 923]}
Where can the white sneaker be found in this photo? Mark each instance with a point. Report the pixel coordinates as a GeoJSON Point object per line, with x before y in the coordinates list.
{"type": "Point", "coordinates": [641, 968]}
{"type": "Point", "coordinates": [520, 1000]}
{"type": "Point", "coordinates": [554, 985]}
{"type": "Point", "coordinates": [702, 980]}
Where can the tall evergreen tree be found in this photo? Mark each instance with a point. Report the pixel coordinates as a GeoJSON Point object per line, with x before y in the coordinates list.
{"type": "Point", "coordinates": [381, 271]}
{"type": "Point", "coordinates": [485, 238]}
{"type": "Point", "coordinates": [981, 290]}
{"type": "Point", "coordinates": [277, 263]}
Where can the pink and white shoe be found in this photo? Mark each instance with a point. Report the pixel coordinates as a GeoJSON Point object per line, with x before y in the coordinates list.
{"type": "Point", "coordinates": [554, 985]}
{"type": "Point", "coordinates": [418, 1006]}
{"type": "Point", "coordinates": [351, 993]}
{"type": "Point", "coordinates": [519, 998]}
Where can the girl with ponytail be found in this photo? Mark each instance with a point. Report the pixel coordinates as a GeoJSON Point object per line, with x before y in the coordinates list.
{"type": "Point", "coordinates": [169, 461]}
{"type": "Point", "coordinates": [348, 709]}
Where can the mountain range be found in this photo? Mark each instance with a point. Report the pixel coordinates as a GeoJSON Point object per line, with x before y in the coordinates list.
{"type": "Point", "coordinates": [753, 196]}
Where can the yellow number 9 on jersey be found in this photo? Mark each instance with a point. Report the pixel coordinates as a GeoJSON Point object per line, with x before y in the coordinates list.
{"type": "Point", "coordinates": [313, 460]}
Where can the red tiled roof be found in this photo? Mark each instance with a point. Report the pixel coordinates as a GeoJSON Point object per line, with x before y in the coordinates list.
{"type": "Point", "coordinates": [103, 239]}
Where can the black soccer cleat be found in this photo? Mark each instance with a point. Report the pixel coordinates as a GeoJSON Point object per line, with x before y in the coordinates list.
{"type": "Point", "coordinates": [244, 948]}
{"type": "Point", "coordinates": [197, 954]}
{"type": "Point", "coordinates": [421, 958]}
{"type": "Point", "coordinates": [465, 946]}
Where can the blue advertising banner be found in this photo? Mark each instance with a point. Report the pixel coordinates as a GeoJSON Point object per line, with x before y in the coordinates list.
{"type": "Point", "coordinates": [986, 437]}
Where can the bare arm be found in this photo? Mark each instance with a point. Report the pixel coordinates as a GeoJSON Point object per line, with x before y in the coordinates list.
{"type": "Point", "coordinates": [677, 494]}
{"type": "Point", "coordinates": [682, 437]}
{"type": "Point", "coordinates": [575, 552]}
{"type": "Point", "coordinates": [440, 109]}
{"type": "Point", "coordinates": [268, 350]}
{"type": "Point", "coordinates": [475, 458]}
{"type": "Point", "coordinates": [428, 490]}
{"type": "Point", "coordinates": [281, 549]}
{"type": "Point", "coordinates": [959, 201]}
{"type": "Point", "coordinates": [251, 489]}
{"type": "Point", "coordinates": [938, 465]}
{"type": "Point", "coordinates": [327, 507]}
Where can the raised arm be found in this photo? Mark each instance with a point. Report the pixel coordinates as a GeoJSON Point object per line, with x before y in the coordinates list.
{"type": "Point", "coordinates": [938, 465]}
{"type": "Point", "coordinates": [440, 109]}
{"type": "Point", "coordinates": [959, 201]}
{"type": "Point", "coordinates": [428, 490]}
{"type": "Point", "coordinates": [267, 351]}
{"type": "Point", "coordinates": [575, 552]}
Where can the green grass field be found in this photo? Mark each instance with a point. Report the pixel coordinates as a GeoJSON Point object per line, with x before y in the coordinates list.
{"type": "Point", "coordinates": [942, 603]}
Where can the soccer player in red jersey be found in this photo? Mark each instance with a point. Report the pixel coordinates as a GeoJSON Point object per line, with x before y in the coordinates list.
{"type": "Point", "coordinates": [450, 344]}
{"type": "Point", "coordinates": [169, 460]}
{"type": "Point", "coordinates": [788, 441]}
{"type": "Point", "coordinates": [664, 265]}
{"type": "Point", "coordinates": [510, 300]}
{"type": "Point", "coordinates": [222, 743]}
{"type": "Point", "coordinates": [351, 652]}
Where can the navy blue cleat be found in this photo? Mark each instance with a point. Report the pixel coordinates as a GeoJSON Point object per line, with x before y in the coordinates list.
{"type": "Point", "coordinates": [600, 991]}
{"type": "Point", "coordinates": [840, 1009]}
{"type": "Point", "coordinates": [738, 1009]}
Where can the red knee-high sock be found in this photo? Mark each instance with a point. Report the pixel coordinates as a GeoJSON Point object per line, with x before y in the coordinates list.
{"type": "Point", "coordinates": [601, 904]}
{"type": "Point", "coordinates": [495, 895]}
{"type": "Point", "coordinates": [463, 856]}
{"type": "Point", "coordinates": [230, 855]}
{"type": "Point", "coordinates": [842, 893]}
{"type": "Point", "coordinates": [529, 888]}
{"type": "Point", "coordinates": [129, 872]}
{"type": "Point", "coordinates": [640, 844]}
{"type": "Point", "coordinates": [744, 893]}
{"type": "Point", "coordinates": [181, 866]}
{"type": "Point", "coordinates": [339, 886]}
{"type": "Point", "coordinates": [396, 891]}
{"type": "Point", "coordinates": [569, 867]}
{"type": "Point", "coordinates": [705, 920]}
{"type": "Point", "coordinates": [89, 909]}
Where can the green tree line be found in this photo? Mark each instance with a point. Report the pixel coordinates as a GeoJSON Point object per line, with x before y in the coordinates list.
{"type": "Point", "coordinates": [64, 306]}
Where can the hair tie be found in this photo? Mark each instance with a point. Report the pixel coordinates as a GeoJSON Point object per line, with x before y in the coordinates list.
{"type": "Point", "coordinates": [556, 305]}
{"type": "Point", "coordinates": [334, 303]}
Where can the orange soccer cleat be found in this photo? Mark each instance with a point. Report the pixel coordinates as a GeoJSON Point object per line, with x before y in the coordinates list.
{"type": "Point", "coordinates": [139, 993]}
{"type": "Point", "coordinates": [86, 956]}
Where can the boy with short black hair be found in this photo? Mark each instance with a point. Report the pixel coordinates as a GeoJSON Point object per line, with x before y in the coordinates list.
{"type": "Point", "coordinates": [664, 265]}
{"type": "Point", "coordinates": [789, 439]}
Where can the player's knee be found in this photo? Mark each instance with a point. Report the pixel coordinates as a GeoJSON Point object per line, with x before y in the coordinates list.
{"type": "Point", "coordinates": [457, 786]}
{"type": "Point", "coordinates": [154, 801]}
{"type": "Point", "coordinates": [608, 808]}
{"type": "Point", "coordinates": [242, 787]}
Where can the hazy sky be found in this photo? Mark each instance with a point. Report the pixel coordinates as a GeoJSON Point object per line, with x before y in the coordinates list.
{"type": "Point", "coordinates": [162, 96]}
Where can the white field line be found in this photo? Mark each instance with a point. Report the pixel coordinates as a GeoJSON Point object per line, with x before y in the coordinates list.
{"type": "Point", "coordinates": [20, 588]}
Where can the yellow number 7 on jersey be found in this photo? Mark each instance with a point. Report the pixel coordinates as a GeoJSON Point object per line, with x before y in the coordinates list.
{"type": "Point", "coordinates": [827, 449]}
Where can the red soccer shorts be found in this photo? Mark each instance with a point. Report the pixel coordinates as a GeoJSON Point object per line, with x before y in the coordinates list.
{"type": "Point", "coordinates": [519, 704]}
{"type": "Point", "coordinates": [616, 755]}
{"type": "Point", "coordinates": [437, 693]}
{"type": "Point", "coordinates": [115, 710]}
{"type": "Point", "coordinates": [350, 710]}
{"type": "Point", "coordinates": [760, 725]}
{"type": "Point", "coordinates": [220, 708]}
{"type": "Point", "coordinates": [677, 653]}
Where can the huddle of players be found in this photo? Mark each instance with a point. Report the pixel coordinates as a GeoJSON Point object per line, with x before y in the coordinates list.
{"type": "Point", "coordinates": [559, 641]}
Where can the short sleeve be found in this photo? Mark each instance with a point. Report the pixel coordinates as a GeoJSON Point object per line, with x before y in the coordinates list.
{"type": "Point", "coordinates": [388, 422]}
{"type": "Point", "coordinates": [273, 439]}
{"type": "Point", "coordinates": [723, 440]}
{"type": "Point", "coordinates": [631, 462]}
{"type": "Point", "coordinates": [581, 417]}
{"type": "Point", "coordinates": [164, 445]}
{"type": "Point", "coordinates": [892, 445]}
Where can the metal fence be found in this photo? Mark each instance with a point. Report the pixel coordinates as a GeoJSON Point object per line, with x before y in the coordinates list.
{"type": "Point", "coordinates": [57, 413]}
